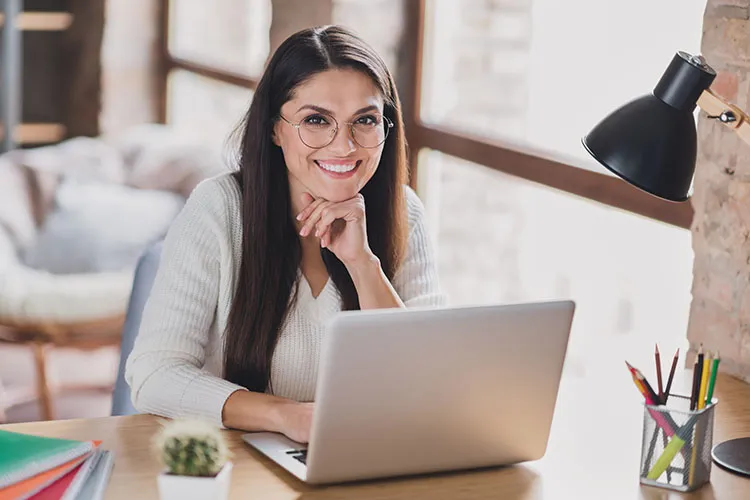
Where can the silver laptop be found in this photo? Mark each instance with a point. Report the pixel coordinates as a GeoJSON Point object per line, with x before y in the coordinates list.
{"type": "Point", "coordinates": [411, 391]}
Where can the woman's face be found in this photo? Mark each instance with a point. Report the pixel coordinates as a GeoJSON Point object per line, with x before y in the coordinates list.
{"type": "Point", "coordinates": [339, 170]}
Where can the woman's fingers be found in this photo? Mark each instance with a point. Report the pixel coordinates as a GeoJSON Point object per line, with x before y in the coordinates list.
{"type": "Point", "coordinates": [313, 218]}
{"type": "Point", "coordinates": [325, 238]}
{"type": "Point", "coordinates": [312, 203]}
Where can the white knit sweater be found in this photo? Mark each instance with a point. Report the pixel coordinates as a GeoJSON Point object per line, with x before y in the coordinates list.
{"type": "Point", "coordinates": [176, 365]}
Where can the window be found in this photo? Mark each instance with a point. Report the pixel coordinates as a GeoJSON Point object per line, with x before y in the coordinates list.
{"type": "Point", "coordinates": [500, 239]}
{"type": "Point", "coordinates": [228, 34]}
{"type": "Point", "coordinates": [205, 109]}
{"type": "Point", "coordinates": [214, 53]}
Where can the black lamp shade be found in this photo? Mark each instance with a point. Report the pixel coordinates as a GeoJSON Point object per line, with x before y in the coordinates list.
{"type": "Point", "coordinates": [651, 142]}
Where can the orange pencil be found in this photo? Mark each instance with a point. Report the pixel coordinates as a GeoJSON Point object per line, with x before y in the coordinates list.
{"type": "Point", "coordinates": [651, 396]}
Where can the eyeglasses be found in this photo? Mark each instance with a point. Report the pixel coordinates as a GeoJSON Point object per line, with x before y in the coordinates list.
{"type": "Point", "coordinates": [318, 131]}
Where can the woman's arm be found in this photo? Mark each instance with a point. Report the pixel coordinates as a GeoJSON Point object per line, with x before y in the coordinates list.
{"type": "Point", "coordinates": [416, 281]}
{"type": "Point", "coordinates": [373, 287]}
{"type": "Point", "coordinates": [165, 369]}
{"type": "Point", "coordinates": [253, 411]}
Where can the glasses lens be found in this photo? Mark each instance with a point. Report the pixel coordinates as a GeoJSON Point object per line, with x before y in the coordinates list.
{"type": "Point", "coordinates": [370, 131]}
{"type": "Point", "coordinates": [317, 131]}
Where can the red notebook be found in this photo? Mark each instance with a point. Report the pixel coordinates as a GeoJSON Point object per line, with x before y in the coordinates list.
{"type": "Point", "coordinates": [56, 490]}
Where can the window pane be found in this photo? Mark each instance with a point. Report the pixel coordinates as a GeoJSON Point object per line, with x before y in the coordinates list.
{"type": "Point", "coordinates": [205, 109]}
{"type": "Point", "coordinates": [230, 34]}
{"type": "Point", "coordinates": [543, 72]}
{"type": "Point", "coordinates": [502, 239]}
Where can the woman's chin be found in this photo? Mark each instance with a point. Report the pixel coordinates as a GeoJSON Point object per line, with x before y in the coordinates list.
{"type": "Point", "coordinates": [337, 194]}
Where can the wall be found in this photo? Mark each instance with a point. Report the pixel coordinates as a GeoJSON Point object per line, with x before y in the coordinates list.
{"type": "Point", "coordinates": [720, 310]}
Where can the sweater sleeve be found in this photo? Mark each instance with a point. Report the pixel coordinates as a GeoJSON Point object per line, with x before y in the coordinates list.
{"type": "Point", "coordinates": [165, 368]}
{"type": "Point", "coordinates": [416, 281]}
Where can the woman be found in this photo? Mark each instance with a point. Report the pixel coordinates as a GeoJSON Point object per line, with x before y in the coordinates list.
{"type": "Point", "coordinates": [259, 259]}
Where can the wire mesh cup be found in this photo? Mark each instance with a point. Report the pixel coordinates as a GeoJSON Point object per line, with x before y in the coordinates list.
{"type": "Point", "coordinates": [676, 445]}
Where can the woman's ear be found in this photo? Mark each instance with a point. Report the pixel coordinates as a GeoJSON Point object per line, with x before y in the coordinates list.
{"type": "Point", "coordinates": [275, 134]}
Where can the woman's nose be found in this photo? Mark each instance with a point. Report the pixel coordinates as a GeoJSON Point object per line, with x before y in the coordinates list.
{"type": "Point", "coordinates": [342, 143]}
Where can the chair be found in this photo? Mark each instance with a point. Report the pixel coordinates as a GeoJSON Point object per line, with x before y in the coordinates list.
{"type": "Point", "coordinates": [145, 273]}
{"type": "Point", "coordinates": [44, 309]}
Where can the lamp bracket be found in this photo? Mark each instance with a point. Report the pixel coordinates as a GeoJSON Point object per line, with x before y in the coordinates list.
{"type": "Point", "coordinates": [728, 114]}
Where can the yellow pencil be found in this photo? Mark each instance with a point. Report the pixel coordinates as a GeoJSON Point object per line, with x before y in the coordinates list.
{"type": "Point", "coordinates": [704, 382]}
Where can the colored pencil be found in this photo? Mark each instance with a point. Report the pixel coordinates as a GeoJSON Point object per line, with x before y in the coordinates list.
{"type": "Point", "coordinates": [704, 382]}
{"type": "Point", "coordinates": [657, 358]}
{"type": "Point", "coordinates": [671, 376]}
{"type": "Point", "coordinates": [712, 382]}
{"type": "Point", "coordinates": [663, 420]}
{"type": "Point", "coordinates": [652, 396]}
{"type": "Point", "coordinates": [697, 374]}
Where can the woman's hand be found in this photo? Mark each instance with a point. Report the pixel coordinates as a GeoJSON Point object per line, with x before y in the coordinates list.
{"type": "Point", "coordinates": [294, 420]}
{"type": "Point", "coordinates": [341, 227]}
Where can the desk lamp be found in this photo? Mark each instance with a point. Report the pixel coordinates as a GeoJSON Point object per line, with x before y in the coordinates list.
{"type": "Point", "coordinates": [651, 143]}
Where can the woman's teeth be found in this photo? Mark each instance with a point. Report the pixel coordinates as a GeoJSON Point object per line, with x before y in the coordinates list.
{"type": "Point", "coordinates": [338, 167]}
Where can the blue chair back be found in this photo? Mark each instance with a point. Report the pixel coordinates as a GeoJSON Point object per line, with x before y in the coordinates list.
{"type": "Point", "coordinates": [145, 272]}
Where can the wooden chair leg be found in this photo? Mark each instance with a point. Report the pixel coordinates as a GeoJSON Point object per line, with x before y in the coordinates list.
{"type": "Point", "coordinates": [43, 391]}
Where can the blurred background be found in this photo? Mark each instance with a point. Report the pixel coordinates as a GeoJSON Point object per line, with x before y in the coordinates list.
{"type": "Point", "coordinates": [113, 110]}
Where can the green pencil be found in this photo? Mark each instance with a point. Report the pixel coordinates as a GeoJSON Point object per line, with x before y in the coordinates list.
{"type": "Point", "coordinates": [712, 381]}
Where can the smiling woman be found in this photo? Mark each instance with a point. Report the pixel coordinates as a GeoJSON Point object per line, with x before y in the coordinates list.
{"type": "Point", "coordinates": [318, 218]}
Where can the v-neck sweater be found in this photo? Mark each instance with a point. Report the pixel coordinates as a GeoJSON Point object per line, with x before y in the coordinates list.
{"type": "Point", "coordinates": [176, 366]}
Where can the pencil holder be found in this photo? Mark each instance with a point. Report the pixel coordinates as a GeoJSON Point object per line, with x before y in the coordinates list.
{"type": "Point", "coordinates": [676, 445]}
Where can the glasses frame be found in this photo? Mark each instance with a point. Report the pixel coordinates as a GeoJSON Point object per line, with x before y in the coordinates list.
{"type": "Point", "coordinates": [388, 122]}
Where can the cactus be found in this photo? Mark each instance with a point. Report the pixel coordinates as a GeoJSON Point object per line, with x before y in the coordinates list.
{"type": "Point", "coordinates": [191, 448]}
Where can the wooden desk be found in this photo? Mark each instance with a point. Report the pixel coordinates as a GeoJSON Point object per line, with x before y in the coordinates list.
{"type": "Point", "coordinates": [593, 453]}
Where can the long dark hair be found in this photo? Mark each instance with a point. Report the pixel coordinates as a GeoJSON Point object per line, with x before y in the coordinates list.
{"type": "Point", "coordinates": [271, 249]}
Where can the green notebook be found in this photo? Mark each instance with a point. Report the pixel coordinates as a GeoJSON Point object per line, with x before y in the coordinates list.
{"type": "Point", "coordinates": [23, 456]}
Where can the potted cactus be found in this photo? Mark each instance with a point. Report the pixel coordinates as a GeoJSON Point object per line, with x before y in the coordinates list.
{"type": "Point", "coordinates": [196, 461]}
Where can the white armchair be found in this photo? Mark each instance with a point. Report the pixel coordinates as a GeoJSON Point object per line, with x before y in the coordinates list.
{"type": "Point", "coordinates": [84, 308]}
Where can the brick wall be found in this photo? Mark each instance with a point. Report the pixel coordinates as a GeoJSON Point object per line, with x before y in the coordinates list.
{"type": "Point", "coordinates": [720, 310]}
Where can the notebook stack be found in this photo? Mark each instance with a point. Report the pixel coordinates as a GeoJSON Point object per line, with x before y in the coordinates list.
{"type": "Point", "coordinates": [42, 468]}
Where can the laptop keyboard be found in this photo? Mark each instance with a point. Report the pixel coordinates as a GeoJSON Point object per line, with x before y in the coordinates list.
{"type": "Point", "coordinates": [299, 455]}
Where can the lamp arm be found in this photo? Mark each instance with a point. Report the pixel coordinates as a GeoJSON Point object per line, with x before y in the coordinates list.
{"type": "Point", "coordinates": [715, 106]}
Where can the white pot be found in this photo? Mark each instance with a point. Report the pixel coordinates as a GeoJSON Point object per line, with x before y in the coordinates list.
{"type": "Point", "coordinates": [172, 487]}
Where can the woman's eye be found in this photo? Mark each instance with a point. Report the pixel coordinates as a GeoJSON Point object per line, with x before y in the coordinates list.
{"type": "Point", "coordinates": [367, 120]}
{"type": "Point", "coordinates": [316, 120]}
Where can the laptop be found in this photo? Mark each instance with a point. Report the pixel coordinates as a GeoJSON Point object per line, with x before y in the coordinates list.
{"type": "Point", "coordinates": [413, 391]}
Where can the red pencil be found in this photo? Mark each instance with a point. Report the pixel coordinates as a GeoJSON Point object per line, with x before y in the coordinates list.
{"type": "Point", "coordinates": [658, 372]}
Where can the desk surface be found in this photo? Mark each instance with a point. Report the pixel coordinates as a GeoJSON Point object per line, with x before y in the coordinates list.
{"type": "Point", "coordinates": [574, 466]}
